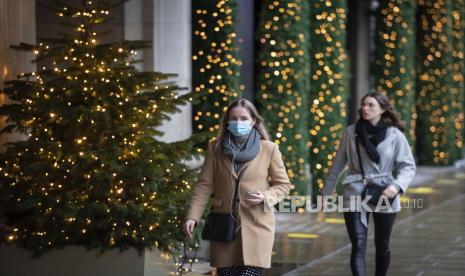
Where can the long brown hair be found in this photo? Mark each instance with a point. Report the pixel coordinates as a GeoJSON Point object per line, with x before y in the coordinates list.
{"type": "Point", "coordinates": [259, 122]}
{"type": "Point", "coordinates": [390, 117]}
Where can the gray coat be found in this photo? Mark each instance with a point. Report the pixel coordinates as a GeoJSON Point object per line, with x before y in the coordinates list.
{"type": "Point", "coordinates": [395, 158]}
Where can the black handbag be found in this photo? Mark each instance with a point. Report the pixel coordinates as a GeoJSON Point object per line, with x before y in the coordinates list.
{"type": "Point", "coordinates": [375, 191]}
{"type": "Point", "coordinates": [372, 189]}
{"type": "Point", "coordinates": [221, 226]}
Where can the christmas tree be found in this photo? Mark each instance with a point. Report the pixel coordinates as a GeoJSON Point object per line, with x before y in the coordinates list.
{"type": "Point", "coordinates": [93, 171]}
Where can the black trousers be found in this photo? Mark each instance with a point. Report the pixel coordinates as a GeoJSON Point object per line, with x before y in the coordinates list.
{"type": "Point", "coordinates": [358, 237]}
{"type": "Point", "coordinates": [239, 271]}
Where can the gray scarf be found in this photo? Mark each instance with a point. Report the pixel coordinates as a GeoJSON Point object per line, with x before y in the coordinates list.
{"type": "Point", "coordinates": [232, 144]}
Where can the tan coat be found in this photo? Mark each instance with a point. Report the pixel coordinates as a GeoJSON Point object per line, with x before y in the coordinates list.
{"type": "Point", "coordinates": [254, 242]}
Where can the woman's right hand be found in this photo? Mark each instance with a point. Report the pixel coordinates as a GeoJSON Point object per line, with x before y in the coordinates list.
{"type": "Point", "coordinates": [189, 226]}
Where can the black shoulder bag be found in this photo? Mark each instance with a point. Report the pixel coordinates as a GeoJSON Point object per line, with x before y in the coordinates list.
{"type": "Point", "coordinates": [222, 226]}
{"type": "Point", "coordinates": [371, 189]}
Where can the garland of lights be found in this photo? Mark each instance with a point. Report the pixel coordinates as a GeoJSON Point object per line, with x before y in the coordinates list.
{"type": "Point", "coordinates": [328, 96]}
{"type": "Point", "coordinates": [283, 81]}
{"type": "Point", "coordinates": [215, 66]}
{"type": "Point", "coordinates": [458, 92]}
{"type": "Point", "coordinates": [440, 82]}
{"type": "Point", "coordinates": [394, 68]}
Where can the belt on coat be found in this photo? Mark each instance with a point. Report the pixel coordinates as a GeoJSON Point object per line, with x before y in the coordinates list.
{"type": "Point", "coordinates": [358, 177]}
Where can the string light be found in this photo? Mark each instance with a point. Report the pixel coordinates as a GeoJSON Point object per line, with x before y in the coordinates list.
{"type": "Point", "coordinates": [329, 77]}
{"type": "Point", "coordinates": [440, 81]}
{"type": "Point", "coordinates": [394, 69]}
{"type": "Point", "coordinates": [283, 81]}
{"type": "Point", "coordinates": [215, 65]}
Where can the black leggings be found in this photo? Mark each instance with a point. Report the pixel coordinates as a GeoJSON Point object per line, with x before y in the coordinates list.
{"type": "Point", "coordinates": [239, 271]}
{"type": "Point", "coordinates": [358, 237]}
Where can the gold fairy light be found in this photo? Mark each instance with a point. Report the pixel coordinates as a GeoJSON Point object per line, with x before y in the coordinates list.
{"type": "Point", "coordinates": [441, 85]}
{"type": "Point", "coordinates": [395, 59]}
{"type": "Point", "coordinates": [215, 65]}
{"type": "Point", "coordinates": [283, 81]}
{"type": "Point", "coordinates": [329, 71]}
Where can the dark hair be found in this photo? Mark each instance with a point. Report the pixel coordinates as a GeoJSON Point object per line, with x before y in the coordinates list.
{"type": "Point", "coordinates": [259, 122]}
{"type": "Point", "coordinates": [390, 117]}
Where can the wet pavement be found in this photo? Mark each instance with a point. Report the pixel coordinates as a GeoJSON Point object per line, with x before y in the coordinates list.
{"type": "Point", "coordinates": [428, 237]}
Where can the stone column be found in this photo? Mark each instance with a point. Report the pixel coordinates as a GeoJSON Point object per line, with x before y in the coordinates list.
{"type": "Point", "coordinates": [133, 28]}
{"type": "Point", "coordinates": [245, 29]}
{"type": "Point", "coordinates": [167, 24]}
{"type": "Point", "coordinates": [172, 53]}
{"type": "Point", "coordinates": [358, 40]}
{"type": "Point", "coordinates": [17, 24]}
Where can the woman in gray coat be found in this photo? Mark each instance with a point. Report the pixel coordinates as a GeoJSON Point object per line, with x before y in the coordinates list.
{"type": "Point", "coordinates": [387, 161]}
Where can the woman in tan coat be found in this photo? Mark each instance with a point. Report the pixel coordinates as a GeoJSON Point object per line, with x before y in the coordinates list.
{"type": "Point", "coordinates": [243, 151]}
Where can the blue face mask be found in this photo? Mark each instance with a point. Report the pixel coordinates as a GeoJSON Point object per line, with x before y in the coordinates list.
{"type": "Point", "coordinates": [239, 128]}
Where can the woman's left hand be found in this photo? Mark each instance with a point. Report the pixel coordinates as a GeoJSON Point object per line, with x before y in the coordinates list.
{"type": "Point", "coordinates": [391, 191]}
{"type": "Point", "coordinates": [255, 198]}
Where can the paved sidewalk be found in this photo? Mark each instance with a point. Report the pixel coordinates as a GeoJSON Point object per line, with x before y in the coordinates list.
{"type": "Point", "coordinates": [428, 243]}
{"type": "Point", "coordinates": [425, 241]}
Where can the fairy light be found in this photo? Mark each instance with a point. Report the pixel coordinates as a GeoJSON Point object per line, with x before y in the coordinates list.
{"type": "Point", "coordinates": [283, 81]}
{"type": "Point", "coordinates": [458, 78]}
{"type": "Point", "coordinates": [215, 65]}
{"type": "Point", "coordinates": [394, 68]}
{"type": "Point", "coordinates": [440, 82]}
{"type": "Point", "coordinates": [329, 78]}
